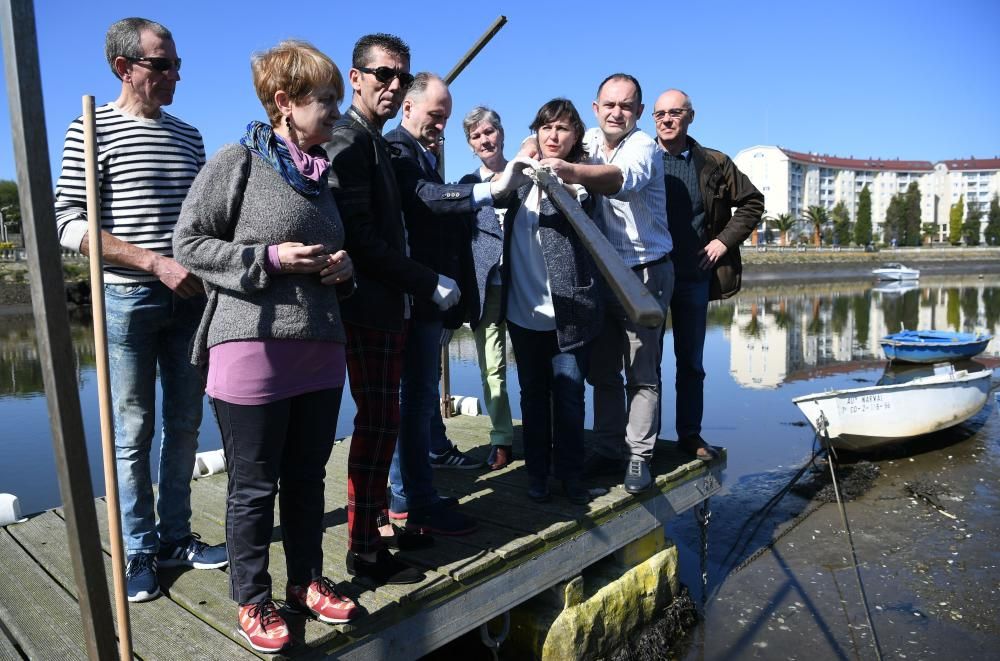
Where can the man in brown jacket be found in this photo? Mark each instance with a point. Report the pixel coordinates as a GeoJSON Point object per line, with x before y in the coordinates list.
{"type": "Point", "coordinates": [703, 187]}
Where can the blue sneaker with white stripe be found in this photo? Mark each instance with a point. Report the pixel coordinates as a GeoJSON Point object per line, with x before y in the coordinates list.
{"type": "Point", "coordinates": [192, 552]}
{"type": "Point", "coordinates": [140, 577]}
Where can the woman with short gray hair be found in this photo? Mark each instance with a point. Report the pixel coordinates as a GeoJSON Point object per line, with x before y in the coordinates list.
{"type": "Point", "coordinates": [484, 133]}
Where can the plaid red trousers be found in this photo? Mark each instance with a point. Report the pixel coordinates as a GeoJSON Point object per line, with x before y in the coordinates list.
{"type": "Point", "coordinates": [374, 366]}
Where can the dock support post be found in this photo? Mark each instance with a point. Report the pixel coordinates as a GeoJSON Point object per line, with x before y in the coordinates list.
{"type": "Point", "coordinates": [48, 301]}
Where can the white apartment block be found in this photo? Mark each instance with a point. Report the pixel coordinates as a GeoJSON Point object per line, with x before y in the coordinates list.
{"type": "Point", "coordinates": [793, 181]}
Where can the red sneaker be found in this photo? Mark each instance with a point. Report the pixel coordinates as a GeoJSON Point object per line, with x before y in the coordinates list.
{"type": "Point", "coordinates": [322, 600]}
{"type": "Point", "coordinates": [263, 627]}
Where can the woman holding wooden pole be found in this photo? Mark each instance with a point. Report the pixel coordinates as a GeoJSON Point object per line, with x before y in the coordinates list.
{"type": "Point", "coordinates": [262, 230]}
{"type": "Point", "coordinates": [553, 310]}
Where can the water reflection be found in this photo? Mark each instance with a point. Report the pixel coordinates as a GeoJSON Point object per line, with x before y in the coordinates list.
{"type": "Point", "coordinates": [20, 368]}
{"type": "Point", "coordinates": [777, 336]}
{"type": "Point", "coordinates": [768, 337]}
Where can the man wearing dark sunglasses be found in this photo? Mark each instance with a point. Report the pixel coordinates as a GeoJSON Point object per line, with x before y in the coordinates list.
{"type": "Point", "coordinates": [378, 316]}
{"type": "Point", "coordinates": [364, 186]}
{"type": "Point", "coordinates": [153, 303]}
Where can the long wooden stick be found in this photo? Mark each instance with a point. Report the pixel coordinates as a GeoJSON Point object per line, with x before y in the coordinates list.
{"type": "Point", "coordinates": [639, 304]}
{"type": "Point", "coordinates": [476, 47]}
{"type": "Point", "coordinates": [48, 303]}
{"type": "Point", "coordinates": [104, 378]}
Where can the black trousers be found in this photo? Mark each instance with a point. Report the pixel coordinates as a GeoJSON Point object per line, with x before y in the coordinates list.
{"type": "Point", "coordinates": [280, 448]}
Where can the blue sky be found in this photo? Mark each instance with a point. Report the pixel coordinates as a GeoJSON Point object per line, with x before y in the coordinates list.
{"type": "Point", "coordinates": [913, 80]}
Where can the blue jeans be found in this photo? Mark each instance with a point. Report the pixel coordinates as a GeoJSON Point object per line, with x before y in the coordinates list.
{"type": "Point", "coordinates": [552, 385]}
{"type": "Point", "coordinates": [689, 313]}
{"type": "Point", "coordinates": [149, 327]}
{"type": "Point", "coordinates": [410, 475]}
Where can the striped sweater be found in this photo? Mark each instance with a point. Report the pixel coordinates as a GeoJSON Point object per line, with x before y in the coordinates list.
{"type": "Point", "coordinates": [145, 167]}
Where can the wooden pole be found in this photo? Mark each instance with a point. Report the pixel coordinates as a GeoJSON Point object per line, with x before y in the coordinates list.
{"type": "Point", "coordinates": [48, 301]}
{"type": "Point", "coordinates": [448, 79]}
{"type": "Point", "coordinates": [104, 378]}
{"type": "Point", "coordinates": [639, 304]}
{"type": "Point", "coordinates": [476, 47]}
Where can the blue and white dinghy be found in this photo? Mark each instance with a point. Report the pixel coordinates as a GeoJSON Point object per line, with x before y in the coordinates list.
{"type": "Point", "coordinates": [932, 346]}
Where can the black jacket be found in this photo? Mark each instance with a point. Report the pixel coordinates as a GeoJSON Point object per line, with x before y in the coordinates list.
{"type": "Point", "coordinates": [437, 219]}
{"type": "Point", "coordinates": [364, 185]}
{"type": "Point", "coordinates": [577, 288]}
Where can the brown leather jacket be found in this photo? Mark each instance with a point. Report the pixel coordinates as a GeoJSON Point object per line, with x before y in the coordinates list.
{"type": "Point", "coordinates": [723, 187]}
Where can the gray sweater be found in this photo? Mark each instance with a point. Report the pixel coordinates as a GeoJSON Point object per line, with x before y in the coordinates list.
{"type": "Point", "coordinates": [238, 206]}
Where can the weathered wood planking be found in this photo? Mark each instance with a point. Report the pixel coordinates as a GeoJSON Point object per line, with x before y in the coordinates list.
{"type": "Point", "coordinates": [519, 546]}
{"type": "Point", "coordinates": [48, 300]}
{"type": "Point", "coordinates": [41, 616]}
{"type": "Point", "coordinates": [8, 652]}
{"type": "Point", "coordinates": [157, 626]}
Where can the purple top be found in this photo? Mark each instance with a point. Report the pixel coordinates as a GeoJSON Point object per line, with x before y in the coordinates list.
{"type": "Point", "coordinates": [254, 372]}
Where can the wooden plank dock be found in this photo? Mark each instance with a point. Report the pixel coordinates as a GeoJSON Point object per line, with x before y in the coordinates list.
{"type": "Point", "coordinates": [520, 549]}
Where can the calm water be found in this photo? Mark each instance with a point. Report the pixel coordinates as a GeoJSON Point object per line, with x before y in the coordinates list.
{"type": "Point", "coordinates": [768, 346]}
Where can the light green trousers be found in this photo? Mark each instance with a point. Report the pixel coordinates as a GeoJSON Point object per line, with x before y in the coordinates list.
{"type": "Point", "coordinates": [491, 347]}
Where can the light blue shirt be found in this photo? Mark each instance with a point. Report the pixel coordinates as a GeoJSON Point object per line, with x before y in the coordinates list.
{"type": "Point", "coordinates": [635, 218]}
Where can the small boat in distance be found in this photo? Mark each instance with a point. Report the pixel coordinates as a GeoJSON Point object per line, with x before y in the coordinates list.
{"type": "Point", "coordinates": [896, 271]}
{"type": "Point", "coordinates": [932, 346]}
{"type": "Point", "coordinates": [864, 419]}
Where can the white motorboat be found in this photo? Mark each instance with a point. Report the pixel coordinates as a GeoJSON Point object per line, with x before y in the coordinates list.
{"type": "Point", "coordinates": [897, 409]}
{"type": "Point", "coordinates": [896, 271]}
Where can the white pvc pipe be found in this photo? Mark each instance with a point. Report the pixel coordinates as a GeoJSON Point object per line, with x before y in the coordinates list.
{"type": "Point", "coordinates": [10, 510]}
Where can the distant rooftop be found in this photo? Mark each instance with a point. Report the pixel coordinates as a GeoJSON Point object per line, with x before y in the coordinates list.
{"type": "Point", "coordinates": [858, 163]}
{"type": "Point", "coordinates": [973, 164]}
{"type": "Point", "coordinates": [851, 163]}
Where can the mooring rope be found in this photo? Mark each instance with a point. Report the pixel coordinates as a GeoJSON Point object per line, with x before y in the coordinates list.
{"type": "Point", "coordinates": [832, 455]}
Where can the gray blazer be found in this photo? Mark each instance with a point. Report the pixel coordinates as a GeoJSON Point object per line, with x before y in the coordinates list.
{"type": "Point", "coordinates": [487, 247]}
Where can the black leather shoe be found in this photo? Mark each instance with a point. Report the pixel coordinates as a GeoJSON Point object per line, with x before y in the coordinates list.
{"type": "Point", "coordinates": [407, 540]}
{"type": "Point", "coordinates": [637, 477]}
{"type": "Point", "coordinates": [538, 491]}
{"type": "Point", "coordinates": [696, 446]}
{"type": "Point", "coordinates": [386, 570]}
{"type": "Point", "coordinates": [575, 492]}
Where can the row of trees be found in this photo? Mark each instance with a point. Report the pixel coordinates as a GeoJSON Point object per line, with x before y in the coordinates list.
{"type": "Point", "coordinates": [902, 224]}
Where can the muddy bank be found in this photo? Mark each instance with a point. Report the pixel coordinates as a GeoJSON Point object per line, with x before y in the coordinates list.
{"type": "Point", "coordinates": [927, 545]}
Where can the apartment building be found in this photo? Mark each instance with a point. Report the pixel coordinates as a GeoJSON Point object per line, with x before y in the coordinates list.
{"type": "Point", "coordinates": [793, 181]}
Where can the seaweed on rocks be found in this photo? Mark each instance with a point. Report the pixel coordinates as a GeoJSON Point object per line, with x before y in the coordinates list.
{"type": "Point", "coordinates": [854, 480]}
{"type": "Point", "coordinates": [662, 638]}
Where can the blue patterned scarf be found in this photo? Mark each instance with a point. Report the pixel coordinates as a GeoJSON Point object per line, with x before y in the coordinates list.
{"type": "Point", "coordinates": [261, 140]}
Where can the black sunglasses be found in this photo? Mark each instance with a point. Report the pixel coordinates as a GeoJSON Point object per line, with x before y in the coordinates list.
{"type": "Point", "coordinates": [385, 75]}
{"type": "Point", "coordinates": [161, 64]}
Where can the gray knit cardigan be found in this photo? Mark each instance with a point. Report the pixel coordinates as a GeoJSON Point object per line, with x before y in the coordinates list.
{"type": "Point", "coordinates": [238, 206]}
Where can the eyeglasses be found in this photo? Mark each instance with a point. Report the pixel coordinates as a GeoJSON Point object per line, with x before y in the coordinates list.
{"type": "Point", "coordinates": [161, 64]}
{"type": "Point", "coordinates": [385, 75]}
{"type": "Point", "coordinates": [673, 113]}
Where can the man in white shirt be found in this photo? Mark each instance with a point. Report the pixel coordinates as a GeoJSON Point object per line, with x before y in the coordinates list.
{"type": "Point", "coordinates": [625, 167]}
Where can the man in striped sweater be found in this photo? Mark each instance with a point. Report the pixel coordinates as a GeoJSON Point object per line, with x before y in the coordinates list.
{"type": "Point", "coordinates": [147, 160]}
